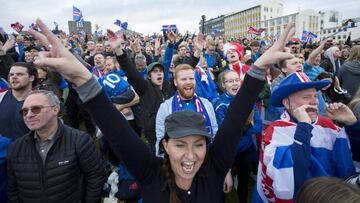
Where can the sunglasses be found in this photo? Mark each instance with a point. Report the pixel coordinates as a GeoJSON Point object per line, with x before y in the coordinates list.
{"type": "Point", "coordinates": [33, 109]}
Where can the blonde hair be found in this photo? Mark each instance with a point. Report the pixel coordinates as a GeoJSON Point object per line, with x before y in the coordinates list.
{"type": "Point", "coordinates": [181, 67]}
{"type": "Point", "coordinates": [355, 100]}
{"type": "Point", "coordinates": [354, 54]}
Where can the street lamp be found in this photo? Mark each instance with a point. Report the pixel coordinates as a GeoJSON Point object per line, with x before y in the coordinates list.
{"type": "Point", "coordinates": [203, 23]}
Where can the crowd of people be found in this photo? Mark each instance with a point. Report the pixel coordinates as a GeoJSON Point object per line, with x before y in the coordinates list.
{"type": "Point", "coordinates": [177, 118]}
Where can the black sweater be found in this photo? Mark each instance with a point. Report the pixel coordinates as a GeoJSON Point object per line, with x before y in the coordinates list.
{"type": "Point", "coordinates": [150, 95]}
{"type": "Point", "coordinates": [207, 185]}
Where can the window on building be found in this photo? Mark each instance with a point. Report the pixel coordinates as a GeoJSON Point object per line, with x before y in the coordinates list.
{"type": "Point", "coordinates": [271, 10]}
{"type": "Point", "coordinates": [339, 36]}
{"type": "Point", "coordinates": [334, 30]}
{"type": "Point", "coordinates": [286, 19]}
{"type": "Point", "coordinates": [266, 23]}
{"type": "Point", "coordinates": [344, 36]}
{"type": "Point", "coordinates": [345, 28]}
{"type": "Point", "coordinates": [329, 31]}
{"type": "Point", "coordinates": [278, 21]}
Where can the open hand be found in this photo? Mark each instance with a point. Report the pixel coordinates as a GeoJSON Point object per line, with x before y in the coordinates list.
{"type": "Point", "coordinates": [10, 43]}
{"type": "Point", "coordinates": [115, 42]}
{"type": "Point", "coordinates": [171, 36]}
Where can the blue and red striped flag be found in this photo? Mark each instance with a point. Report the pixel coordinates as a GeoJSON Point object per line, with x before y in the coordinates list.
{"type": "Point", "coordinates": [77, 15]}
{"type": "Point", "coordinates": [308, 36]}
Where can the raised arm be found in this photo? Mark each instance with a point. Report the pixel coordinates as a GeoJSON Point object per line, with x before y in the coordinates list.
{"type": "Point", "coordinates": [134, 77]}
{"type": "Point", "coordinates": [223, 149]}
{"type": "Point", "coordinates": [122, 138]}
{"type": "Point", "coordinates": [313, 54]}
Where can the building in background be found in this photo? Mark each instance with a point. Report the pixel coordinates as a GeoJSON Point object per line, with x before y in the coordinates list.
{"type": "Point", "coordinates": [236, 24]}
{"type": "Point", "coordinates": [306, 20]}
{"type": "Point", "coordinates": [76, 27]}
{"type": "Point", "coordinates": [330, 19]}
{"type": "Point", "coordinates": [214, 26]}
{"type": "Point", "coordinates": [342, 31]}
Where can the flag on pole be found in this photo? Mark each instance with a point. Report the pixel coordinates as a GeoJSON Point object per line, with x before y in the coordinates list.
{"type": "Point", "coordinates": [17, 27]}
{"type": "Point", "coordinates": [308, 36]}
{"type": "Point", "coordinates": [77, 15]}
{"type": "Point", "coordinates": [255, 31]}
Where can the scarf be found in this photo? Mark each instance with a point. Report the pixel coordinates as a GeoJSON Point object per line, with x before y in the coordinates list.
{"type": "Point", "coordinates": [200, 108]}
{"type": "Point", "coordinates": [239, 68]}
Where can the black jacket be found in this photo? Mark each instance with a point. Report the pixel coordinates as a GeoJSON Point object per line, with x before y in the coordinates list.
{"type": "Point", "coordinates": [207, 185]}
{"type": "Point", "coordinates": [73, 171]}
{"type": "Point", "coordinates": [150, 95]}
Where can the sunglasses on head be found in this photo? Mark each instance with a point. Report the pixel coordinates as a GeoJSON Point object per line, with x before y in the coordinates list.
{"type": "Point", "coordinates": [33, 109]}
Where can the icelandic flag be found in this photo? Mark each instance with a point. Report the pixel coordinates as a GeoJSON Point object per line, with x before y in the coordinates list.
{"type": "Point", "coordinates": [117, 22]}
{"type": "Point", "coordinates": [17, 27]}
{"type": "Point", "coordinates": [166, 27]}
{"type": "Point", "coordinates": [124, 25]}
{"type": "Point", "coordinates": [77, 15]}
{"type": "Point", "coordinates": [308, 36]}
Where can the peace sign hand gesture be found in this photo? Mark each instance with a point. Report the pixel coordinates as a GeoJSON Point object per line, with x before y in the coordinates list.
{"type": "Point", "coordinates": [278, 51]}
{"type": "Point", "coordinates": [58, 58]}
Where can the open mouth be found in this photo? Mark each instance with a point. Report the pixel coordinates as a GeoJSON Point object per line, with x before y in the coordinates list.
{"type": "Point", "coordinates": [188, 90]}
{"type": "Point", "coordinates": [188, 166]}
{"type": "Point", "coordinates": [159, 79]}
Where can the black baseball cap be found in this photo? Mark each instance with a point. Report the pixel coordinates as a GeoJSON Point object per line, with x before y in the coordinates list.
{"type": "Point", "coordinates": [184, 123]}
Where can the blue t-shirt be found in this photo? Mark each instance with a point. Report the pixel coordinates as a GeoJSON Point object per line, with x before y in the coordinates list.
{"type": "Point", "coordinates": [11, 122]}
{"type": "Point", "coordinates": [114, 84]}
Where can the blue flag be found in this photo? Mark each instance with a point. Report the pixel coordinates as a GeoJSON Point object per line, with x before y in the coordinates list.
{"type": "Point", "coordinates": [166, 27]}
{"type": "Point", "coordinates": [117, 22]}
{"type": "Point", "coordinates": [124, 25]}
{"type": "Point", "coordinates": [77, 15]}
{"type": "Point", "coordinates": [308, 36]}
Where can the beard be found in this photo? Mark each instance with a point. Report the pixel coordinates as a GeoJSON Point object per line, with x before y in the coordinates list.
{"type": "Point", "coordinates": [186, 95]}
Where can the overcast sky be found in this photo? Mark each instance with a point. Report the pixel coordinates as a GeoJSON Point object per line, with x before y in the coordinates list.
{"type": "Point", "coordinates": [148, 16]}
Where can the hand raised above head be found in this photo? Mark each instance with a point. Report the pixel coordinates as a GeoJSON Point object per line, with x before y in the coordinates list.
{"type": "Point", "coordinates": [115, 42]}
{"type": "Point", "coordinates": [58, 58]}
{"type": "Point", "coordinates": [278, 51]}
{"type": "Point", "coordinates": [199, 42]}
{"type": "Point", "coordinates": [171, 36]}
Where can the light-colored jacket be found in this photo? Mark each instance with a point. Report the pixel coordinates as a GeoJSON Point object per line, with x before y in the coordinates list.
{"type": "Point", "coordinates": [166, 109]}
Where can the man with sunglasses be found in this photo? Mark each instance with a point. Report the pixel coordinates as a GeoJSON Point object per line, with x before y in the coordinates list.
{"type": "Point", "coordinates": [21, 78]}
{"type": "Point", "coordinates": [53, 162]}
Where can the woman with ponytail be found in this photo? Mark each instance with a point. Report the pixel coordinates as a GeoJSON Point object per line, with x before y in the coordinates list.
{"type": "Point", "coordinates": [193, 170]}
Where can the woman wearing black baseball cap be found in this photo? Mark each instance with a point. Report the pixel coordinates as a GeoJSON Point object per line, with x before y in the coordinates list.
{"type": "Point", "coordinates": [192, 170]}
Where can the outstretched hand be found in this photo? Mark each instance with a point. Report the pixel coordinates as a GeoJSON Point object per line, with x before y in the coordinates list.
{"type": "Point", "coordinates": [340, 112]}
{"type": "Point", "coordinates": [278, 51]}
{"type": "Point", "coordinates": [58, 58]}
{"type": "Point", "coordinates": [171, 36]}
{"type": "Point", "coordinates": [10, 43]}
{"type": "Point", "coordinates": [115, 42]}
{"type": "Point", "coordinates": [199, 42]}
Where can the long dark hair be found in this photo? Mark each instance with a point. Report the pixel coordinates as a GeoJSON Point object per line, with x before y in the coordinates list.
{"type": "Point", "coordinates": [169, 175]}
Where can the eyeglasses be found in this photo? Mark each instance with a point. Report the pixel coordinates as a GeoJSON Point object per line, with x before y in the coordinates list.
{"type": "Point", "coordinates": [232, 81]}
{"type": "Point", "coordinates": [33, 109]}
